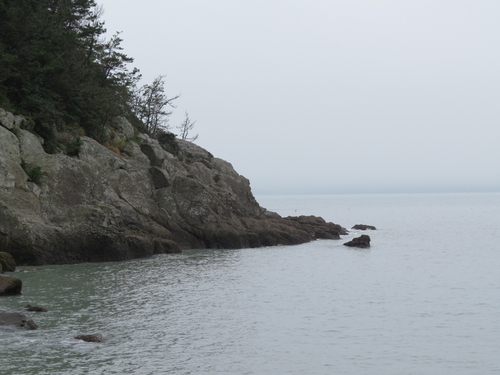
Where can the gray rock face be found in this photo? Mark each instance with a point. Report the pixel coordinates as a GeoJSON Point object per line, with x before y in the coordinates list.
{"type": "Point", "coordinates": [125, 126]}
{"type": "Point", "coordinates": [7, 263]}
{"type": "Point", "coordinates": [17, 320]}
{"type": "Point", "coordinates": [101, 206]}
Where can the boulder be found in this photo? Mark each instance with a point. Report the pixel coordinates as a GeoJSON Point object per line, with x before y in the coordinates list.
{"type": "Point", "coordinates": [363, 227]}
{"type": "Point", "coordinates": [7, 262]}
{"type": "Point", "coordinates": [8, 120]}
{"type": "Point", "coordinates": [96, 337]}
{"type": "Point", "coordinates": [17, 320]}
{"type": "Point", "coordinates": [10, 286]}
{"type": "Point", "coordinates": [362, 241]}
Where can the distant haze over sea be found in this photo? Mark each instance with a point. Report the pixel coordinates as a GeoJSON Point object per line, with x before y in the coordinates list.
{"type": "Point", "coordinates": [330, 96]}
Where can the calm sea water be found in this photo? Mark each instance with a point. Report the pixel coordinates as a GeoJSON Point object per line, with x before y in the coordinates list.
{"type": "Point", "coordinates": [424, 299]}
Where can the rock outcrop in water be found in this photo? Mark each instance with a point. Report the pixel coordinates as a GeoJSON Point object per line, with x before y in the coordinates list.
{"type": "Point", "coordinates": [156, 197]}
{"type": "Point", "coordinates": [35, 308]}
{"type": "Point", "coordinates": [364, 227]}
{"type": "Point", "coordinates": [10, 286]}
{"type": "Point", "coordinates": [96, 337]}
{"type": "Point", "coordinates": [17, 320]}
{"type": "Point", "coordinates": [362, 241]}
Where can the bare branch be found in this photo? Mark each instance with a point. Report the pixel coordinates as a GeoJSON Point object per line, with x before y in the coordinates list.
{"type": "Point", "coordinates": [186, 126]}
{"type": "Point", "coordinates": [151, 105]}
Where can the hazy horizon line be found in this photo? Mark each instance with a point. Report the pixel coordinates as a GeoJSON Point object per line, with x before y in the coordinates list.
{"type": "Point", "coordinates": [360, 191]}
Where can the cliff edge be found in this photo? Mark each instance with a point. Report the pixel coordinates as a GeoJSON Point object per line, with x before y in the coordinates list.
{"type": "Point", "coordinates": [154, 197]}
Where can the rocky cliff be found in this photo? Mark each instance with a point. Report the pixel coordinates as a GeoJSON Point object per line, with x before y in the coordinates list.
{"type": "Point", "coordinates": [153, 197]}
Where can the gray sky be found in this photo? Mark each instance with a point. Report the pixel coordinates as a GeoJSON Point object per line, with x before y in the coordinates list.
{"type": "Point", "coordinates": [325, 96]}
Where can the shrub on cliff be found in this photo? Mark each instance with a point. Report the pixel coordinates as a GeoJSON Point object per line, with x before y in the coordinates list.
{"type": "Point", "coordinates": [34, 173]}
{"type": "Point", "coordinates": [167, 142]}
{"type": "Point", "coordinates": [73, 149]}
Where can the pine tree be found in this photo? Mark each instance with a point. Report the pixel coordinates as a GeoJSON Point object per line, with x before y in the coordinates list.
{"type": "Point", "coordinates": [56, 68]}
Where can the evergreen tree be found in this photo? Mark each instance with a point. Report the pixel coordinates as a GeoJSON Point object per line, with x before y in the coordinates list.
{"type": "Point", "coordinates": [56, 68]}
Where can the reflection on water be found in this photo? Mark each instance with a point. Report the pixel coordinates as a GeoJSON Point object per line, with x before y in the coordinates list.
{"type": "Point", "coordinates": [422, 300]}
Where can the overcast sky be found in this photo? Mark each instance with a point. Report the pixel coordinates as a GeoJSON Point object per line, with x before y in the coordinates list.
{"type": "Point", "coordinates": [325, 96]}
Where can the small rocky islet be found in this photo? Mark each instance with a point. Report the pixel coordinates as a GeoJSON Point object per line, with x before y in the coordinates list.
{"type": "Point", "coordinates": [362, 242]}
{"type": "Point", "coordinates": [363, 227]}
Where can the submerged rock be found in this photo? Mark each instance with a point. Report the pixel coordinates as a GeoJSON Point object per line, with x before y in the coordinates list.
{"type": "Point", "coordinates": [10, 286]}
{"type": "Point", "coordinates": [363, 242]}
{"type": "Point", "coordinates": [363, 227]}
{"type": "Point", "coordinates": [35, 308]}
{"type": "Point", "coordinates": [17, 320]}
{"type": "Point", "coordinates": [96, 337]}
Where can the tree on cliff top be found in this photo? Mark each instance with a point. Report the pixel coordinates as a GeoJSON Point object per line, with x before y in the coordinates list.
{"type": "Point", "coordinates": [186, 126]}
{"type": "Point", "coordinates": [150, 106]}
{"type": "Point", "coordinates": [56, 67]}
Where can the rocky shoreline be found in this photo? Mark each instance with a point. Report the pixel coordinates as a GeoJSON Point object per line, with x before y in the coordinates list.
{"type": "Point", "coordinates": [150, 197]}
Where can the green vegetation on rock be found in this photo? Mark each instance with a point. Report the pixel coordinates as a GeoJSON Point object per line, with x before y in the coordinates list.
{"type": "Point", "coordinates": [73, 149]}
{"type": "Point", "coordinates": [56, 68]}
{"type": "Point", "coordinates": [34, 173]}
